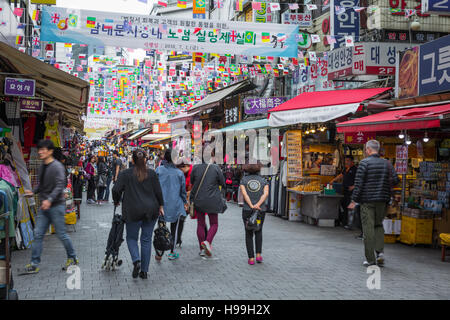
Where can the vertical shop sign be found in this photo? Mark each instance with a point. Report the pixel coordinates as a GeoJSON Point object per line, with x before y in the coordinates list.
{"type": "Point", "coordinates": [346, 23]}
{"type": "Point", "coordinates": [262, 15]}
{"type": "Point", "coordinates": [294, 155]}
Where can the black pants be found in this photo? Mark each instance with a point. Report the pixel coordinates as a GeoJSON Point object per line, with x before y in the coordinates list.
{"type": "Point", "coordinates": [2, 253]}
{"type": "Point", "coordinates": [175, 232]}
{"type": "Point", "coordinates": [249, 236]}
{"type": "Point", "coordinates": [343, 216]}
{"type": "Point", "coordinates": [91, 189]}
{"type": "Point", "coordinates": [101, 193]}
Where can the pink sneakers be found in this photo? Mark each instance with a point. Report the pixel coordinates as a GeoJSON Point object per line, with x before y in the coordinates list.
{"type": "Point", "coordinates": [259, 259]}
{"type": "Point", "coordinates": [251, 262]}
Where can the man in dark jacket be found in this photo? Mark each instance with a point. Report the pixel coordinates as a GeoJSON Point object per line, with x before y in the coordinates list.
{"type": "Point", "coordinates": [52, 182]}
{"type": "Point", "coordinates": [374, 180]}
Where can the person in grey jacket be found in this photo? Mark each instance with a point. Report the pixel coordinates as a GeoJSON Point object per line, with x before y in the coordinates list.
{"type": "Point", "coordinates": [52, 182]}
{"type": "Point", "coordinates": [374, 181]}
{"type": "Point", "coordinates": [208, 201]}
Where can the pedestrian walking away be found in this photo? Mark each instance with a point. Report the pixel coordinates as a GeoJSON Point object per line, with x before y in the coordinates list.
{"type": "Point", "coordinates": [91, 171]}
{"type": "Point", "coordinates": [116, 165]}
{"type": "Point", "coordinates": [207, 180]}
{"type": "Point", "coordinates": [255, 190]}
{"type": "Point", "coordinates": [374, 181]}
{"type": "Point", "coordinates": [102, 179]}
{"type": "Point", "coordinates": [141, 204]}
{"type": "Point", "coordinates": [173, 185]}
{"type": "Point", "coordinates": [52, 182]}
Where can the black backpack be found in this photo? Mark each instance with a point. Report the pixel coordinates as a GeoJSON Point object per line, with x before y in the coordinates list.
{"type": "Point", "coordinates": [162, 241]}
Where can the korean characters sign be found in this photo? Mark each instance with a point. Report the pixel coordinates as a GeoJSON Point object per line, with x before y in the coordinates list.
{"type": "Point", "coordinates": [441, 7]}
{"type": "Point", "coordinates": [31, 105]}
{"type": "Point", "coordinates": [359, 137]}
{"type": "Point", "coordinates": [304, 20]}
{"type": "Point", "coordinates": [424, 70]}
{"type": "Point", "coordinates": [346, 23]}
{"type": "Point", "coordinates": [364, 58]}
{"type": "Point", "coordinates": [262, 105]}
{"type": "Point", "coordinates": [20, 87]}
{"type": "Point", "coordinates": [401, 159]}
{"type": "Point", "coordinates": [169, 34]}
{"type": "Point", "coordinates": [294, 155]}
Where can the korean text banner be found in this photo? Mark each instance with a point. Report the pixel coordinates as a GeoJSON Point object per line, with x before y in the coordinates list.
{"type": "Point", "coordinates": [154, 32]}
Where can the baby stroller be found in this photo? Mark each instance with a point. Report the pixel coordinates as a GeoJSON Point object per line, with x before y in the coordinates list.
{"type": "Point", "coordinates": [6, 282]}
{"type": "Point", "coordinates": [115, 239]}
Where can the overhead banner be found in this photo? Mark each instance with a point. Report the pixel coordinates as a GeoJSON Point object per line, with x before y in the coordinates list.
{"type": "Point", "coordinates": [154, 32]}
{"type": "Point", "coordinates": [441, 7]}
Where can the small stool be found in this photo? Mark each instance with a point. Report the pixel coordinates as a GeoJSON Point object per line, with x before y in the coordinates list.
{"type": "Point", "coordinates": [445, 243]}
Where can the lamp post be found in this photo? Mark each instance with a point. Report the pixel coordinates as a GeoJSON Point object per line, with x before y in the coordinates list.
{"type": "Point", "coordinates": [413, 26]}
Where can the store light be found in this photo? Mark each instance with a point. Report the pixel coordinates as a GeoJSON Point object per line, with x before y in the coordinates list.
{"type": "Point", "coordinates": [323, 129]}
{"type": "Point", "coordinates": [408, 140]}
{"type": "Point", "coordinates": [313, 129]}
{"type": "Point", "coordinates": [425, 138]}
{"type": "Point", "coordinates": [401, 135]}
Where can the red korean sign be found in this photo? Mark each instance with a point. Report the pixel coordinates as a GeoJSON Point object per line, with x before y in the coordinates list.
{"type": "Point", "coordinates": [359, 137]}
{"type": "Point", "coordinates": [161, 128]}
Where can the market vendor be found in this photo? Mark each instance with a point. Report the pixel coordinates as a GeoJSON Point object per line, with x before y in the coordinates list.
{"type": "Point", "coordinates": [347, 177]}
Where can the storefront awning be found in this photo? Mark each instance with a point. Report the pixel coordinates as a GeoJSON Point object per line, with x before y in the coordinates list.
{"type": "Point", "coordinates": [183, 117]}
{"type": "Point", "coordinates": [214, 98]}
{"type": "Point", "coordinates": [155, 136]}
{"type": "Point", "coordinates": [255, 124]}
{"type": "Point", "coordinates": [139, 133]}
{"type": "Point", "coordinates": [396, 120]}
{"type": "Point", "coordinates": [58, 88]}
{"type": "Point", "coordinates": [125, 132]}
{"type": "Point", "coordinates": [320, 106]}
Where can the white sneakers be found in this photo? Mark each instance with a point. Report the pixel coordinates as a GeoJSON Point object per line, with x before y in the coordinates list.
{"type": "Point", "coordinates": [207, 247]}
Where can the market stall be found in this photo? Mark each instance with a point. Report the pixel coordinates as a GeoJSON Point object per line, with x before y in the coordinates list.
{"type": "Point", "coordinates": [414, 139]}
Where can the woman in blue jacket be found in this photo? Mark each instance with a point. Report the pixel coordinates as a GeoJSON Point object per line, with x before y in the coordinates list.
{"type": "Point", "coordinates": [173, 185]}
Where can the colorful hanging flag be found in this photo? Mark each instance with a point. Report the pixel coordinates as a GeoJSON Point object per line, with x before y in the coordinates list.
{"type": "Point", "coordinates": [163, 28]}
{"type": "Point", "coordinates": [281, 37]}
{"type": "Point", "coordinates": [265, 37]}
{"type": "Point", "coordinates": [36, 15]}
{"type": "Point", "coordinates": [19, 39]}
{"type": "Point", "coordinates": [256, 5]}
{"type": "Point", "coordinates": [109, 24]}
{"type": "Point", "coordinates": [349, 41]}
{"type": "Point", "coordinates": [274, 6]}
{"type": "Point", "coordinates": [239, 5]}
{"type": "Point", "coordinates": [73, 20]}
{"type": "Point", "coordinates": [293, 6]}
{"type": "Point", "coordinates": [219, 4]}
{"type": "Point", "coordinates": [162, 3]}
{"type": "Point", "coordinates": [90, 22]}
{"type": "Point", "coordinates": [18, 12]}
{"type": "Point", "coordinates": [409, 12]}
{"type": "Point", "coordinates": [67, 45]}
{"type": "Point", "coordinates": [182, 4]}
{"type": "Point", "coordinates": [331, 39]}
{"type": "Point", "coordinates": [249, 37]}
{"type": "Point", "coordinates": [395, 10]}
{"type": "Point", "coordinates": [36, 41]}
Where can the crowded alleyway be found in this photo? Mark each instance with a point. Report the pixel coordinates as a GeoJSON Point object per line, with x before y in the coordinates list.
{"type": "Point", "coordinates": [300, 262]}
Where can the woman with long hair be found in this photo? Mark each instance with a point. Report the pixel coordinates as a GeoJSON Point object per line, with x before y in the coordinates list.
{"type": "Point", "coordinates": [91, 170]}
{"type": "Point", "coordinates": [173, 185]}
{"type": "Point", "coordinates": [141, 204]}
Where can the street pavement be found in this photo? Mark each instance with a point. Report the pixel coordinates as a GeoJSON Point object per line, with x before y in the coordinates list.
{"type": "Point", "coordinates": [300, 262]}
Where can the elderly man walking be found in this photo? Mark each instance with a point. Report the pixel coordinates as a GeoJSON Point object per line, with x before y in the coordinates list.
{"type": "Point", "coordinates": [374, 180]}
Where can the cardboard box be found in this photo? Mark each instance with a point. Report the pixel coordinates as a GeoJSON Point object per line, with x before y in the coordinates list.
{"type": "Point", "coordinates": [392, 226]}
{"type": "Point", "coordinates": [294, 215]}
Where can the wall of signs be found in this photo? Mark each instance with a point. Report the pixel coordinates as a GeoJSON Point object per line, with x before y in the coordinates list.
{"type": "Point", "coordinates": [294, 155]}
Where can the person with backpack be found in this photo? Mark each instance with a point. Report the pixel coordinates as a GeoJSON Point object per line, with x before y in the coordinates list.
{"type": "Point", "coordinates": [206, 198]}
{"type": "Point", "coordinates": [255, 190]}
{"type": "Point", "coordinates": [173, 184]}
{"type": "Point", "coordinates": [102, 169]}
{"type": "Point", "coordinates": [142, 202]}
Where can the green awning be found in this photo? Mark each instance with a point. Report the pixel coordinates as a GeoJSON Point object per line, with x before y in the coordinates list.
{"type": "Point", "coordinates": [255, 124]}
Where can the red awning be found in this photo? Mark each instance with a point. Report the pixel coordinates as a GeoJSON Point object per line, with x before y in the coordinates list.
{"type": "Point", "coordinates": [320, 106]}
{"type": "Point", "coordinates": [395, 120]}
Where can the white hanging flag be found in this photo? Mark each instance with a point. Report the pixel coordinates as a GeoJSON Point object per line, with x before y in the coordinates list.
{"type": "Point", "coordinates": [300, 55]}
{"type": "Point", "coordinates": [315, 38]}
{"type": "Point", "coordinates": [339, 10]}
{"type": "Point", "coordinates": [311, 7]}
{"type": "Point", "coordinates": [293, 6]}
{"type": "Point", "coordinates": [349, 41]}
{"type": "Point", "coordinates": [312, 56]}
{"type": "Point", "coordinates": [358, 9]}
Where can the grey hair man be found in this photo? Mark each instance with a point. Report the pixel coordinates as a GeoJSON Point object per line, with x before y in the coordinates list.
{"type": "Point", "coordinates": [374, 180]}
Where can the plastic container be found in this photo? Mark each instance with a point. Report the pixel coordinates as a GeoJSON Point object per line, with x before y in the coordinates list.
{"type": "Point", "coordinates": [416, 231]}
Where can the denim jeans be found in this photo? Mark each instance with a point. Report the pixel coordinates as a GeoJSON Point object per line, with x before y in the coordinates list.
{"type": "Point", "coordinates": [108, 187]}
{"type": "Point", "coordinates": [146, 241]}
{"type": "Point", "coordinates": [55, 216]}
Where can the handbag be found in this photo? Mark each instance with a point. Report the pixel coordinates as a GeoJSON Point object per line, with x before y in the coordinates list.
{"type": "Point", "coordinates": [253, 223]}
{"type": "Point", "coordinates": [163, 239]}
{"type": "Point", "coordinates": [192, 209]}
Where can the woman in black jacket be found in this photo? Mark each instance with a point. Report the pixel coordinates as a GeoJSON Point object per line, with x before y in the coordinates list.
{"type": "Point", "coordinates": [102, 172]}
{"type": "Point", "coordinates": [142, 201]}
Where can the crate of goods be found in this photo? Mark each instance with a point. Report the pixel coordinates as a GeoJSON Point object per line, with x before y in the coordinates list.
{"type": "Point", "coordinates": [390, 238]}
{"type": "Point", "coordinates": [416, 231]}
{"type": "Point", "coordinates": [392, 229]}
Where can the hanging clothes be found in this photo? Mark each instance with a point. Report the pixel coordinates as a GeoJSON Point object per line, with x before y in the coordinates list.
{"type": "Point", "coordinates": [29, 128]}
{"type": "Point", "coordinates": [40, 128]}
{"type": "Point", "coordinates": [12, 198]}
{"type": "Point", "coordinates": [52, 133]}
{"type": "Point", "coordinates": [6, 173]}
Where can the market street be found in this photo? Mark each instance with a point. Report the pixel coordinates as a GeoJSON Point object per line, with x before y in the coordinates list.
{"type": "Point", "coordinates": [300, 262]}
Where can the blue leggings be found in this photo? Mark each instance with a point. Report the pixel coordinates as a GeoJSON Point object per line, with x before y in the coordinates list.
{"type": "Point", "coordinates": [146, 241]}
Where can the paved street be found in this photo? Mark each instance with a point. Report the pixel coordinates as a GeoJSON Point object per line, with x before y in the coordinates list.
{"type": "Point", "coordinates": [300, 262]}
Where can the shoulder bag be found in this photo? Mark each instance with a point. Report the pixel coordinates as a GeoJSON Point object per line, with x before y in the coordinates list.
{"type": "Point", "coordinates": [191, 209]}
